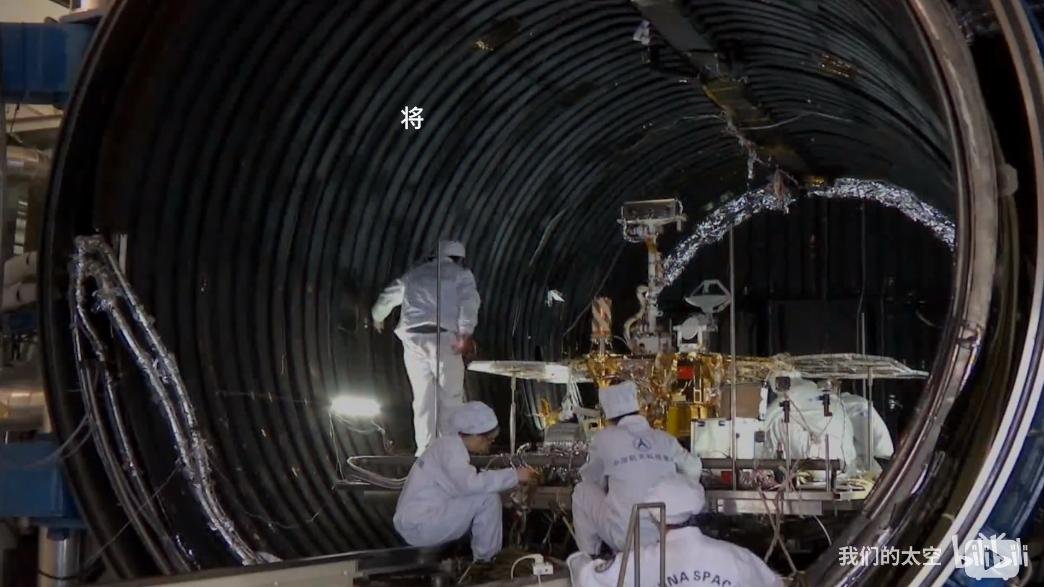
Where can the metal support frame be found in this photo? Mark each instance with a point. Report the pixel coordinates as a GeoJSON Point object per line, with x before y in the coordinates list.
{"type": "Point", "coordinates": [59, 555]}
{"type": "Point", "coordinates": [720, 82]}
{"type": "Point", "coordinates": [565, 460]}
{"type": "Point", "coordinates": [732, 352]}
{"type": "Point", "coordinates": [634, 543]}
{"type": "Point", "coordinates": [439, 392]}
{"type": "Point", "coordinates": [338, 569]}
{"type": "Point", "coordinates": [514, 396]}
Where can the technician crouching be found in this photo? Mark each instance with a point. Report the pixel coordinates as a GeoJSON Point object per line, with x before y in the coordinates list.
{"type": "Point", "coordinates": [691, 557]}
{"type": "Point", "coordinates": [623, 461]}
{"type": "Point", "coordinates": [445, 496]}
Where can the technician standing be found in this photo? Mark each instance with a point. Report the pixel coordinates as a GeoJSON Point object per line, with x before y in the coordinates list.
{"type": "Point", "coordinates": [879, 440]}
{"type": "Point", "coordinates": [803, 422]}
{"type": "Point", "coordinates": [623, 462]}
{"type": "Point", "coordinates": [440, 304]}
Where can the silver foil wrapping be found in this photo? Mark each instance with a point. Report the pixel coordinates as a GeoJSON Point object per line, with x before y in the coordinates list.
{"type": "Point", "coordinates": [94, 260]}
{"type": "Point", "coordinates": [117, 454]}
{"type": "Point", "coordinates": [738, 210]}
{"type": "Point", "coordinates": [716, 225]}
{"type": "Point", "coordinates": [892, 196]}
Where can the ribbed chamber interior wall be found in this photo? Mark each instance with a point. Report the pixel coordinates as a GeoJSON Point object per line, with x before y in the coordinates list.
{"type": "Point", "coordinates": [253, 155]}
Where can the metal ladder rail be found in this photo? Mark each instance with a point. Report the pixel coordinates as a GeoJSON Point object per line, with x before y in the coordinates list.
{"type": "Point", "coordinates": [633, 545]}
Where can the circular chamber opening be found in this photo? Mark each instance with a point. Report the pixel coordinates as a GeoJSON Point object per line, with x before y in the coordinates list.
{"type": "Point", "coordinates": [249, 165]}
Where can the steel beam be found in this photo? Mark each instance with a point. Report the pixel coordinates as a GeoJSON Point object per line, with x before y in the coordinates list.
{"type": "Point", "coordinates": [564, 460]}
{"type": "Point", "coordinates": [720, 82]}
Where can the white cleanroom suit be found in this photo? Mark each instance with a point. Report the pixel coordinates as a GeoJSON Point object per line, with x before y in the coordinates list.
{"type": "Point", "coordinates": [432, 320]}
{"type": "Point", "coordinates": [691, 558]}
{"type": "Point", "coordinates": [813, 434]}
{"type": "Point", "coordinates": [623, 461]}
{"type": "Point", "coordinates": [445, 496]}
{"type": "Point", "coordinates": [862, 414]}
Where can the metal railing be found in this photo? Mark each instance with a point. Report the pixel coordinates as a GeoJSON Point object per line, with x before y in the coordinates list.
{"type": "Point", "coordinates": [634, 544]}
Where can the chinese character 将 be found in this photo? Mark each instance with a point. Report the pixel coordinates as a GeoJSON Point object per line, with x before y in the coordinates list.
{"type": "Point", "coordinates": [411, 116]}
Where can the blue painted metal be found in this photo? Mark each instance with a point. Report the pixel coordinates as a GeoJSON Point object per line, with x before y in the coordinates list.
{"type": "Point", "coordinates": [32, 485]}
{"type": "Point", "coordinates": [40, 61]}
{"type": "Point", "coordinates": [18, 322]}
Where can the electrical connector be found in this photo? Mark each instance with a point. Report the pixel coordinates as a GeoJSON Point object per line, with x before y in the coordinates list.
{"type": "Point", "coordinates": [541, 567]}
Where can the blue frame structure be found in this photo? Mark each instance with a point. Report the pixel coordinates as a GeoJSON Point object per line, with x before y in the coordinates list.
{"type": "Point", "coordinates": [38, 65]}
{"type": "Point", "coordinates": [40, 61]}
{"type": "Point", "coordinates": [32, 485]}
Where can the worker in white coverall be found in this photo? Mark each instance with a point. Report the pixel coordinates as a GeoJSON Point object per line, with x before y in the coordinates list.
{"type": "Point", "coordinates": [445, 496]}
{"type": "Point", "coordinates": [691, 558]}
{"type": "Point", "coordinates": [623, 461]}
{"type": "Point", "coordinates": [817, 423]}
{"type": "Point", "coordinates": [870, 431]}
{"type": "Point", "coordinates": [435, 327]}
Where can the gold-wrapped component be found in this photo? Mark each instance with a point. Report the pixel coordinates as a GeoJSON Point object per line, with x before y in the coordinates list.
{"type": "Point", "coordinates": [752, 369]}
{"type": "Point", "coordinates": [548, 415]}
{"type": "Point", "coordinates": [674, 388]}
{"type": "Point", "coordinates": [601, 324]}
{"type": "Point", "coordinates": [703, 411]}
{"type": "Point", "coordinates": [603, 368]}
{"type": "Point", "coordinates": [679, 415]}
{"type": "Point", "coordinates": [655, 379]}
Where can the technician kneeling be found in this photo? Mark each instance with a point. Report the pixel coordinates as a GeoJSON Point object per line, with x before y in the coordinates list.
{"type": "Point", "coordinates": [445, 496]}
{"type": "Point", "coordinates": [692, 558]}
{"type": "Point", "coordinates": [623, 462]}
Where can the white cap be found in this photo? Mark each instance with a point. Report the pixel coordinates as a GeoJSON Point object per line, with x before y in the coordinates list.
{"type": "Point", "coordinates": [450, 249]}
{"type": "Point", "coordinates": [473, 418]}
{"type": "Point", "coordinates": [619, 399]}
{"type": "Point", "coordinates": [682, 498]}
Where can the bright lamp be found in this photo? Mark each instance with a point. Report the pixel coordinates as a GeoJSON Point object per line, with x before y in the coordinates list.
{"type": "Point", "coordinates": [353, 406]}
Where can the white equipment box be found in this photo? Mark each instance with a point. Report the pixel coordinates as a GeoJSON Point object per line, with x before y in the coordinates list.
{"type": "Point", "coordinates": [711, 438]}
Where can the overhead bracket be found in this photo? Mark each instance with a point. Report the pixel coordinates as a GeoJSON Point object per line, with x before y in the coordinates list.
{"type": "Point", "coordinates": [720, 82]}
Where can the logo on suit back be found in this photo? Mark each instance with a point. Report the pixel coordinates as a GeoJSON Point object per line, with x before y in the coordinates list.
{"type": "Point", "coordinates": [642, 444]}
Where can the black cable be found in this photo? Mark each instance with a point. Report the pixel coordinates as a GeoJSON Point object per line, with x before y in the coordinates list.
{"type": "Point", "coordinates": [594, 294]}
{"type": "Point", "coordinates": [14, 117]}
